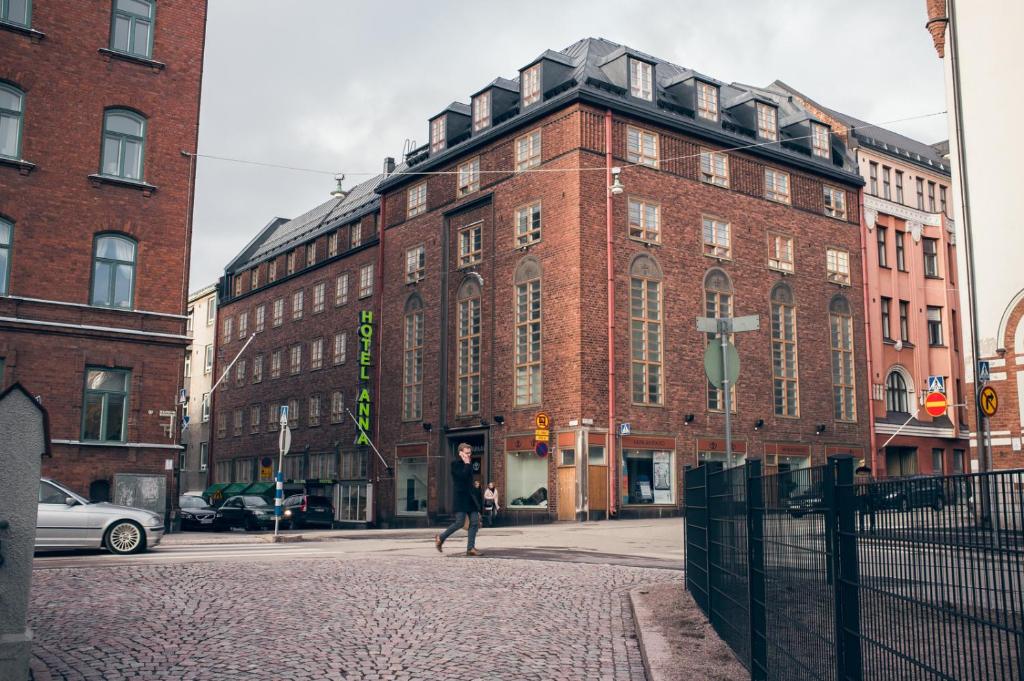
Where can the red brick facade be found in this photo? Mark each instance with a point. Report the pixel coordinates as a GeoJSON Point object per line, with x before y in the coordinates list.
{"type": "Point", "coordinates": [58, 204]}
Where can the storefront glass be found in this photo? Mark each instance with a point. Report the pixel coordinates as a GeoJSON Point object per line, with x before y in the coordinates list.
{"type": "Point", "coordinates": [651, 476]}
{"type": "Point", "coordinates": [526, 480]}
{"type": "Point", "coordinates": [412, 485]}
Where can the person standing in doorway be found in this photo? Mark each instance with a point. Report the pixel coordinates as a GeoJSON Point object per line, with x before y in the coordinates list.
{"type": "Point", "coordinates": [491, 506]}
{"type": "Point", "coordinates": [466, 501]}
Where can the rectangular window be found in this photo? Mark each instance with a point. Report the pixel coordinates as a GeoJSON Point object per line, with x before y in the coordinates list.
{"type": "Point", "coordinates": [469, 356]}
{"type": "Point", "coordinates": [298, 304]}
{"type": "Point", "coordinates": [366, 280]}
{"type": "Point", "coordinates": [295, 363]}
{"type": "Point", "coordinates": [341, 289]}
{"type": "Point", "coordinates": [931, 257]}
{"type": "Point", "coordinates": [272, 270]}
{"type": "Point", "coordinates": [776, 185]}
{"type": "Point", "coordinates": [843, 388]}
{"type": "Point", "coordinates": [356, 234]}
{"type": "Point", "coordinates": [412, 369]}
{"type": "Point", "coordinates": [278, 311]}
{"type": "Point", "coordinates": [481, 111]}
{"type": "Point", "coordinates": [437, 134]}
{"type": "Point", "coordinates": [838, 266]}
{"type": "Point", "coordinates": [526, 480]}
{"type": "Point", "coordinates": [222, 424]}
{"type": "Point", "coordinates": [291, 261]}
{"type": "Point", "coordinates": [714, 167]}
{"type": "Point", "coordinates": [188, 366]}
{"type": "Point", "coordinates": [261, 317]}
{"type": "Point", "coordinates": [886, 304]}
{"type": "Point", "coordinates": [880, 236]}
{"type": "Point", "coordinates": [275, 364]}
{"type": "Point", "coordinates": [339, 347]}
{"type": "Point", "coordinates": [211, 312]}
{"type": "Point", "coordinates": [934, 325]}
{"type": "Point", "coordinates": [228, 329]}
{"type": "Point", "coordinates": [189, 324]}
{"type": "Point", "coordinates": [820, 140]}
{"type": "Point", "coordinates": [942, 200]}
{"type": "Point", "coordinates": [470, 239]}
{"type": "Point", "coordinates": [528, 224]}
{"type": "Point", "coordinates": [237, 423]}
{"type": "Point", "coordinates": [644, 220]}
{"type": "Point", "coordinates": [899, 186]}
{"type": "Point", "coordinates": [337, 406]}
{"type": "Point", "coordinates": [416, 199]}
{"type": "Point", "coordinates": [527, 343]}
{"type": "Point", "coordinates": [707, 101]}
{"type": "Point", "coordinates": [931, 197]}
{"type": "Point", "coordinates": [904, 321]}
{"type": "Point", "coordinates": [310, 254]}
{"type": "Point", "coordinates": [640, 77]}
{"type": "Point", "coordinates": [206, 407]}
{"type": "Point", "coordinates": [243, 325]}
{"type": "Point", "coordinates": [257, 369]}
{"type": "Point", "coordinates": [767, 122]}
{"type": "Point", "coordinates": [316, 354]}
{"type": "Point", "coordinates": [293, 414]}
{"type": "Point", "coordinates": [531, 85]}
{"type": "Point", "coordinates": [901, 256]}
{"type": "Point", "coordinates": [528, 151]}
{"type": "Point", "coordinates": [208, 366]}
{"type": "Point", "coordinates": [886, 182]}
{"type": "Point", "coordinates": [105, 407]}
{"type": "Point", "coordinates": [204, 455]}
{"type": "Point", "coordinates": [835, 202]}
{"type": "Point", "coordinates": [920, 194]}
{"type": "Point", "coordinates": [641, 147]}
{"type": "Point", "coordinates": [254, 418]}
{"type": "Point", "coordinates": [131, 25]}
{"type": "Point", "coordinates": [319, 292]}
{"type": "Point", "coordinates": [415, 264]}
{"type": "Point", "coordinates": [469, 177]}
{"type": "Point", "coordinates": [784, 360]}
{"type": "Point", "coordinates": [314, 411]}
{"type": "Point", "coordinates": [937, 456]}
{"type": "Point", "coordinates": [240, 373]}
{"type": "Point", "coordinates": [646, 340]}
{"type": "Point", "coordinates": [873, 178]}
{"type": "Point", "coordinates": [274, 417]}
{"type": "Point", "coordinates": [411, 482]}
{"type": "Point", "coordinates": [780, 252]}
{"type": "Point", "coordinates": [332, 245]}
{"type": "Point", "coordinates": [717, 240]}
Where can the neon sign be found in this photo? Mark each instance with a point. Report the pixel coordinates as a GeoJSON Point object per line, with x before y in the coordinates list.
{"type": "Point", "coordinates": [363, 403]}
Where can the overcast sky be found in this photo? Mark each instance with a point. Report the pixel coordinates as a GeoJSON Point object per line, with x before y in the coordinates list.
{"type": "Point", "coordinates": [337, 86]}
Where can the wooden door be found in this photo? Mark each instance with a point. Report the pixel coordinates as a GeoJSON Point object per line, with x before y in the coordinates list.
{"type": "Point", "coordinates": [598, 479]}
{"type": "Point", "coordinates": [567, 493]}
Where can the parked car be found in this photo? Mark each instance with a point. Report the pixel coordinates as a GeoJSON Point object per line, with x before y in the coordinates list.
{"type": "Point", "coordinates": [301, 510]}
{"type": "Point", "coordinates": [245, 511]}
{"type": "Point", "coordinates": [914, 492]}
{"type": "Point", "coordinates": [807, 501]}
{"type": "Point", "coordinates": [195, 513]}
{"type": "Point", "coordinates": [66, 520]}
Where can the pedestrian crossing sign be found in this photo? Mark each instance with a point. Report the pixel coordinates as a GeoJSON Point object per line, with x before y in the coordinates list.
{"type": "Point", "coordinates": [936, 384]}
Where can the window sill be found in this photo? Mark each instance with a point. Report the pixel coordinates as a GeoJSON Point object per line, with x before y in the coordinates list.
{"type": "Point", "coordinates": [941, 346]}
{"type": "Point", "coordinates": [719, 258]}
{"type": "Point", "coordinates": [781, 270]}
{"type": "Point", "coordinates": [933, 276]}
{"type": "Point", "coordinates": [146, 188]}
{"type": "Point", "coordinates": [24, 167]}
{"type": "Point", "coordinates": [645, 242]}
{"type": "Point", "coordinates": [109, 54]}
{"type": "Point", "coordinates": [841, 284]}
{"type": "Point", "coordinates": [35, 35]}
{"type": "Point", "coordinates": [885, 267]}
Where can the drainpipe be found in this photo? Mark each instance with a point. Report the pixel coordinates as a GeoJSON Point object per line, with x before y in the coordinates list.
{"type": "Point", "coordinates": [613, 467]}
{"type": "Point", "coordinates": [867, 333]}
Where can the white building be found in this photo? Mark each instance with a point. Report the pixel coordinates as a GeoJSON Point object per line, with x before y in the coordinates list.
{"type": "Point", "coordinates": [202, 326]}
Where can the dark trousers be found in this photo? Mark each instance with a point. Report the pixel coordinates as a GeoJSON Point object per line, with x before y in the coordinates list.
{"type": "Point", "coordinates": [460, 520]}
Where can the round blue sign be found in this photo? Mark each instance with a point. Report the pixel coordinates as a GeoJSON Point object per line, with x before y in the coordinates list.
{"type": "Point", "coordinates": [541, 449]}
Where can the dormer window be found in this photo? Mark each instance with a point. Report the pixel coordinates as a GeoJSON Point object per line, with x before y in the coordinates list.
{"type": "Point", "coordinates": [437, 129]}
{"type": "Point", "coordinates": [640, 77]}
{"type": "Point", "coordinates": [531, 85]}
{"type": "Point", "coordinates": [481, 111]}
{"type": "Point", "coordinates": [707, 101]}
{"type": "Point", "coordinates": [767, 122]}
{"type": "Point", "coordinates": [820, 140]}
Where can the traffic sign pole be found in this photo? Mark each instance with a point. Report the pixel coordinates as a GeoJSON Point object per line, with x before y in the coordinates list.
{"type": "Point", "coordinates": [723, 325]}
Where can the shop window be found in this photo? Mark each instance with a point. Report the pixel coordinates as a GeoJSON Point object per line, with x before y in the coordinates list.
{"type": "Point", "coordinates": [526, 480]}
{"type": "Point", "coordinates": [412, 485]}
{"type": "Point", "coordinates": [650, 477]}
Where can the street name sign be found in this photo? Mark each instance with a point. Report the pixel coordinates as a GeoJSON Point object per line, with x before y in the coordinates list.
{"type": "Point", "coordinates": [935, 404]}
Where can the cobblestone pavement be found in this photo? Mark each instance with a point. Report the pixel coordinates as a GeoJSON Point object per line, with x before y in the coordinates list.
{"type": "Point", "coordinates": [361, 617]}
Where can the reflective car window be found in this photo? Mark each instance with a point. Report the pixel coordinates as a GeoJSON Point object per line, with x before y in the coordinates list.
{"type": "Point", "coordinates": [48, 494]}
{"type": "Point", "coordinates": [254, 501]}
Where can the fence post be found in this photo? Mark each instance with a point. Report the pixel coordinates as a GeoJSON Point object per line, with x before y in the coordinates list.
{"type": "Point", "coordinates": [846, 582]}
{"type": "Point", "coordinates": [755, 572]}
{"type": "Point", "coordinates": [713, 486]}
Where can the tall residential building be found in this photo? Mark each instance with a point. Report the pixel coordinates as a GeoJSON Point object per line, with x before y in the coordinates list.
{"type": "Point", "coordinates": [911, 294]}
{"type": "Point", "coordinates": [199, 379]}
{"type": "Point", "coordinates": [97, 103]}
{"type": "Point", "coordinates": [980, 56]}
{"type": "Point", "coordinates": [497, 276]}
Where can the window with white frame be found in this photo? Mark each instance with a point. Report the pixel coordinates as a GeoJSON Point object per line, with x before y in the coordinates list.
{"type": "Point", "coordinates": [714, 167]}
{"type": "Point", "coordinates": [469, 177]}
{"type": "Point", "coordinates": [470, 239]}
{"type": "Point", "coordinates": [257, 369]}
{"type": "Point", "coordinates": [316, 354]}
{"type": "Point", "coordinates": [314, 411]}
{"type": "Point", "coordinates": [254, 278]}
{"type": "Point", "coordinates": [784, 357]}
{"type": "Point", "coordinates": [339, 347]}
{"type": "Point", "coordinates": [240, 372]}
{"type": "Point", "coordinates": [237, 430]}
{"type": "Point", "coordinates": [206, 407]}
{"type": "Point", "coordinates": [838, 266]}
{"type": "Point", "coordinates": [275, 364]}
{"type": "Point", "coordinates": [291, 261]}
{"type": "Point", "coordinates": [644, 220]}
{"type": "Point", "coordinates": [295, 365]}
{"type": "Point", "coordinates": [337, 406]}
{"type": "Point", "coordinates": [356, 234]}
{"type": "Point", "coordinates": [278, 312]}
{"type": "Point", "coordinates": [820, 140]}
{"type": "Point", "coordinates": [934, 325]}
{"type": "Point", "coordinates": [366, 280]}
{"type": "Point", "coordinates": [528, 149]}
{"type": "Point", "coordinates": [273, 417]}
{"type": "Point", "coordinates": [641, 146]}
{"type": "Point", "coordinates": [254, 418]}
{"type": "Point", "coordinates": [272, 270]}
{"type": "Point", "coordinates": [707, 101]}
{"type": "Point", "coordinates": [208, 366]}
{"type": "Point", "coordinates": [228, 329]}
{"type": "Point", "coordinates": [530, 84]}
{"type": "Point", "coordinates": [293, 413]}
{"type": "Point", "coordinates": [243, 325]}
{"type": "Point", "coordinates": [415, 264]}
{"type": "Point", "coordinates": [319, 293]}
{"type": "Point", "coordinates": [468, 341]}
{"type": "Point", "coordinates": [437, 134]}
{"type": "Point", "coordinates": [204, 455]}
{"type": "Point", "coordinates": [717, 238]}
{"type": "Point", "coordinates": [527, 351]}
{"type": "Point", "coordinates": [412, 361]}
{"type": "Point", "coordinates": [341, 289]}
{"type": "Point", "coordinates": [416, 200]}
{"type": "Point", "coordinates": [776, 185]}
{"type": "Point", "coordinates": [298, 304]}
{"type": "Point", "coordinates": [843, 387]}
{"type": "Point", "coordinates": [646, 331]}
{"type": "Point", "coordinates": [528, 224]}
{"type": "Point", "coordinates": [238, 284]}
{"type": "Point", "coordinates": [780, 252]}
{"type": "Point", "coordinates": [222, 424]}
{"type": "Point", "coordinates": [188, 364]}
{"type": "Point", "coordinates": [332, 245]}
{"type": "Point", "coordinates": [640, 79]}
{"type": "Point", "coordinates": [481, 111]}
{"type": "Point", "coordinates": [310, 254]}
{"type": "Point", "coordinates": [835, 202]}
{"type": "Point", "coordinates": [767, 121]}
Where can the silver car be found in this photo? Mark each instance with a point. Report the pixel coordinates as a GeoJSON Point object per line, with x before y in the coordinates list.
{"type": "Point", "coordinates": [67, 521]}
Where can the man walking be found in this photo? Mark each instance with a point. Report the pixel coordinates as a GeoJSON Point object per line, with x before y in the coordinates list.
{"type": "Point", "coordinates": [467, 501]}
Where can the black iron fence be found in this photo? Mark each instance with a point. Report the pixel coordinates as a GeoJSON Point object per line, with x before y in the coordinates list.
{"type": "Point", "coordinates": [810, 575]}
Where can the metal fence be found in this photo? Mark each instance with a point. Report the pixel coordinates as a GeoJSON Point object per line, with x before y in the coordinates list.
{"type": "Point", "coordinates": [808, 575]}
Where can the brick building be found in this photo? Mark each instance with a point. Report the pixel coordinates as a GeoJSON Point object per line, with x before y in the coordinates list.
{"type": "Point", "coordinates": [493, 272]}
{"type": "Point", "coordinates": [98, 101]}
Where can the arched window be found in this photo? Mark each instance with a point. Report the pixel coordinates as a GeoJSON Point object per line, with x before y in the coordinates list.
{"type": "Point", "coordinates": [131, 29]}
{"type": "Point", "coordinates": [843, 386]}
{"type": "Point", "coordinates": [468, 323]}
{"type": "Point", "coordinates": [12, 109]}
{"type": "Point", "coordinates": [646, 323]}
{"type": "Point", "coordinates": [6, 239]}
{"type": "Point", "coordinates": [113, 271]}
{"type": "Point", "coordinates": [412, 360]}
{"type": "Point", "coordinates": [718, 302]}
{"type": "Point", "coordinates": [527, 309]}
{"type": "Point", "coordinates": [784, 355]}
{"type": "Point", "coordinates": [896, 393]}
{"type": "Point", "coordinates": [124, 141]}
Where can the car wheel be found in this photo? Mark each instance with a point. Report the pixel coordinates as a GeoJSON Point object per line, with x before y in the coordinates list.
{"type": "Point", "coordinates": [938, 504]}
{"type": "Point", "coordinates": [251, 524]}
{"type": "Point", "coordinates": [124, 537]}
{"type": "Point", "coordinates": [904, 504]}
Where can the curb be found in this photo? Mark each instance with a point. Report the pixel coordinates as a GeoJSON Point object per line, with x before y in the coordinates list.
{"type": "Point", "coordinates": [648, 672]}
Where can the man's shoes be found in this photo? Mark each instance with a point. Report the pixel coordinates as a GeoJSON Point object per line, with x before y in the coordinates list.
{"type": "Point", "coordinates": [472, 552]}
{"type": "Point", "coordinates": [438, 542]}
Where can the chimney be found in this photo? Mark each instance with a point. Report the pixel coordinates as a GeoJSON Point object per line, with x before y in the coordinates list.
{"type": "Point", "coordinates": [389, 165]}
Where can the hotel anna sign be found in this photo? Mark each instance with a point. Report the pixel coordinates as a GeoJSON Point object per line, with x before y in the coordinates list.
{"type": "Point", "coordinates": [364, 404]}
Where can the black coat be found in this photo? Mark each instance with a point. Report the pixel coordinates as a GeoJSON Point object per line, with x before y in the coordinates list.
{"type": "Point", "coordinates": [466, 499]}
